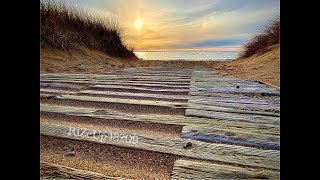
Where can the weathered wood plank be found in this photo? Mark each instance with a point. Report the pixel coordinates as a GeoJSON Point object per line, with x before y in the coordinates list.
{"type": "Point", "coordinates": [229, 110]}
{"type": "Point", "coordinates": [206, 81]}
{"type": "Point", "coordinates": [59, 85]}
{"type": "Point", "coordinates": [58, 91]}
{"type": "Point", "coordinates": [234, 90]}
{"type": "Point", "coordinates": [142, 95]}
{"type": "Point", "coordinates": [200, 150]}
{"type": "Point", "coordinates": [140, 88]}
{"type": "Point", "coordinates": [221, 81]}
{"type": "Point", "coordinates": [232, 98]}
{"type": "Point", "coordinates": [145, 84]}
{"type": "Point", "coordinates": [55, 171]}
{"type": "Point", "coordinates": [204, 94]}
{"type": "Point", "coordinates": [108, 81]}
{"type": "Point", "coordinates": [251, 107]}
{"type": "Point", "coordinates": [267, 129]}
{"type": "Point", "coordinates": [114, 93]}
{"type": "Point", "coordinates": [233, 116]}
{"type": "Point", "coordinates": [119, 76]}
{"type": "Point", "coordinates": [184, 169]}
{"type": "Point", "coordinates": [176, 105]}
{"type": "Point", "coordinates": [212, 134]}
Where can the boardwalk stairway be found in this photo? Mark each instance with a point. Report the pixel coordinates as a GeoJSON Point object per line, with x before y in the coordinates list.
{"type": "Point", "coordinates": [201, 125]}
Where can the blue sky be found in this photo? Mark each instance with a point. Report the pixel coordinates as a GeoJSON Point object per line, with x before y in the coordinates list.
{"type": "Point", "coordinates": [187, 24]}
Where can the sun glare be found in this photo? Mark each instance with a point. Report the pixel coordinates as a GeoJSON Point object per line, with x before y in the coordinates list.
{"type": "Point", "coordinates": [138, 24]}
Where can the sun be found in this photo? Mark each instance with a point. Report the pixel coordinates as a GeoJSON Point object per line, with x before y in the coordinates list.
{"type": "Point", "coordinates": [138, 24]}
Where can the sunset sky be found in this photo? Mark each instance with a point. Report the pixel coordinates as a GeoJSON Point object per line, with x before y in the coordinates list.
{"type": "Point", "coordinates": [187, 24]}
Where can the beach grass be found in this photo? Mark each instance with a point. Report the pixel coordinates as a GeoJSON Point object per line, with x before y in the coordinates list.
{"type": "Point", "coordinates": [262, 42]}
{"type": "Point", "coordinates": [67, 27]}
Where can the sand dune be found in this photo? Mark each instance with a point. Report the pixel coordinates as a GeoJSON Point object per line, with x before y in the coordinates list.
{"type": "Point", "coordinates": [260, 67]}
{"type": "Point", "coordinates": [83, 60]}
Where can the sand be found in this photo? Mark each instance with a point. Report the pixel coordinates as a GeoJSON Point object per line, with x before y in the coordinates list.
{"type": "Point", "coordinates": [263, 68]}
{"type": "Point", "coordinates": [106, 159]}
{"type": "Point", "coordinates": [127, 108]}
{"type": "Point", "coordinates": [114, 125]}
{"type": "Point", "coordinates": [83, 60]}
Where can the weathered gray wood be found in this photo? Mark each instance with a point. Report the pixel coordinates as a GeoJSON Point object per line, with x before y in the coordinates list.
{"type": "Point", "coordinates": [176, 105]}
{"type": "Point", "coordinates": [142, 95]}
{"type": "Point", "coordinates": [118, 77]}
{"type": "Point", "coordinates": [233, 116]}
{"type": "Point", "coordinates": [229, 110]}
{"type": "Point", "coordinates": [233, 133]}
{"type": "Point", "coordinates": [108, 81]}
{"type": "Point", "coordinates": [244, 106]}
{"type": "Point", "coordinates": [140, 88]}
{"type": "Point", "coordinates": [55, 171]}
{"type": "Point", "coordinates": [184, 169]}
{"type": "Point", "coordinates": [58, 91]}
{"type": "Point", "coordinates": [235, 122]}
{"type": "Point", "coordinates": [203, 94]}
{"type": "Point", "coordinates": [114, 93]}
{"type": "Point", "coordinates": [212, 134]}
{"type": "Point", "coordinates": [206, 81]}
{"type": "Point", "coordinates": [59, 85]}
{"type": "Point", "coordinates": [233, 99]}
{"type": "Point", "coordinates": [266, 129]}
{"type": "Point", "coordinates": [200, 150]}
{"type": "Point", "coordinates": [119, 83]}
{"type": "Point", "coordinates": [234, 90]}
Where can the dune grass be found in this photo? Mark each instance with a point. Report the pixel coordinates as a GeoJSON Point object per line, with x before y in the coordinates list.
{"type": "Point", "coordinates": [263, 41]}
{"type": "Point", "coordinates": [67, 27]}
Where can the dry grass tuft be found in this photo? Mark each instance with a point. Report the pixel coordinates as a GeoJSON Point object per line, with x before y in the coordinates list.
{"type": "Point", "coordinates": [261, 42]}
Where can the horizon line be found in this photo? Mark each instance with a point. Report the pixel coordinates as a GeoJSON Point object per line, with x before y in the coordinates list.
{"type": "Point", "coordinates": [192, 49]}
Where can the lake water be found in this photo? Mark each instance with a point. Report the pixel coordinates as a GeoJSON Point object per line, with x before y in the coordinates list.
{"type": "Point", "coordinates": [188, 55]}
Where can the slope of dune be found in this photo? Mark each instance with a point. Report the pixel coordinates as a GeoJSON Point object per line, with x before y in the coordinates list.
{"type": "Point", "coordinates": [82, 60]}
{"type": "Point", "coordinates": [259, 67]}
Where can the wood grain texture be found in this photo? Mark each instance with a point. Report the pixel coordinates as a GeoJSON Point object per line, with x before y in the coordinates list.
{"type": "Point", "coordinates": [233, 116]}
{"type": "Point", "coordinates": [222, 131]}
{"type": "Point", "coordinates": [184, 169]}
{"type": "Point", "coordinates": [119, 100]}
{"type": "Point", "coordinates": [225, 153]}
{"type": "Point", "coordinates": [55, 171]}
{"type": "Point", "coordinates": [268, 129]}
{"type": "Point", "coordinates": [212, 134]}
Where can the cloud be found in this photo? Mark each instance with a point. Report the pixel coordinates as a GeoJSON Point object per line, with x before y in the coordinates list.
{"type": "Point", "coordinates": [188, 23]}
{"type": "Point", "coordinates": [225, 42]}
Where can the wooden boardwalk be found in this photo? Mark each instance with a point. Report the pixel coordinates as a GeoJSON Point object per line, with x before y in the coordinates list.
{"type": "Point", "coordinates": [228, 128]}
